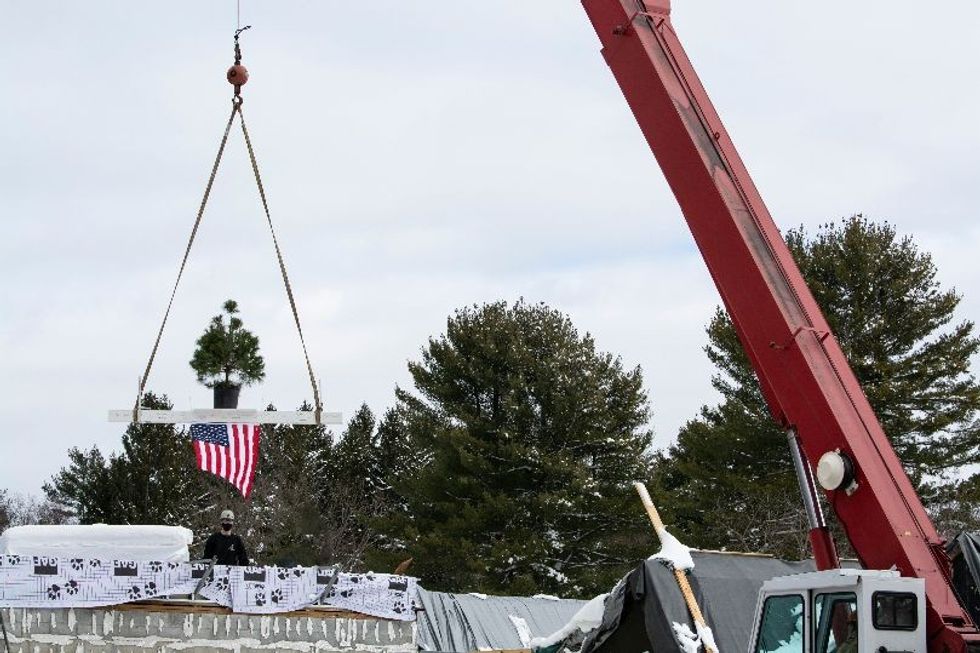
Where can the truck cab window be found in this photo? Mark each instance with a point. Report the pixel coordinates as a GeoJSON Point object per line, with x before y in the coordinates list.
{"type": "Point", "coordinates": [835, 618]}
{"type": "Point", "coordinates": [782, 625]}
{"type": "Point", "coordinates": [895, 611]}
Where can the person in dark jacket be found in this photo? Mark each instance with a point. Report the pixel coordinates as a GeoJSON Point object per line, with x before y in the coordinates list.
{"type": "Point", "coordinates": [224, 545]}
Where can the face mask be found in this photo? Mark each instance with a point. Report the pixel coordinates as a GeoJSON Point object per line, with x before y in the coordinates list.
{"type": "Point", "coordinates": [226, 527]}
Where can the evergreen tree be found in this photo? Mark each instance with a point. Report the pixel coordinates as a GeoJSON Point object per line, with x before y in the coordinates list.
{"type": "Point", "coordinates": [398, 456]}
{"type": "Point", "coordinates": [355, 489]}
{"type": "Point", "coordinates": [515, 457]}
{"type": "Point", "coordinates": [310, 503]}
{"type": "Point", "coordinates": [160, 479]}
{"type": "Point", "coordinates": [956, 506]}
{"type": "Point", "coordinates": [281, 522]}
{"type": "Point", "coordinates": [300, 511]}
{"type": "Point", "coordinates": [89, 488]}
{"type": "Point", "coordinates": [355, 461]}
{"type": "Point", "coordinates": [728, 481]}
{"type": "Point", "coordinates": [228, 354]}
{"type": "Point", "coordinates": [153, 480]}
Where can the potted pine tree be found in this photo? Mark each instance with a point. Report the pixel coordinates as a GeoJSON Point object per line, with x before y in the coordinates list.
{"type": "Point", "coordinates": [227, 357]}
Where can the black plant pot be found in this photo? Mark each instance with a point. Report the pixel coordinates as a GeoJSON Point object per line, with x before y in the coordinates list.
{"type": "Point", "coordinates": [226, 396]}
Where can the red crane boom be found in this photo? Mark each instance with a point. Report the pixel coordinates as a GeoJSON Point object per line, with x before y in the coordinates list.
{"type": "Point", "coordinates": [807, 382]}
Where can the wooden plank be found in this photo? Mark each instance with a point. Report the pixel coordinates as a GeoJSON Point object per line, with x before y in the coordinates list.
{"type": "Point", "coordinates": [224, 416]}
{"type": "Point", "coordinates": [184, 606]}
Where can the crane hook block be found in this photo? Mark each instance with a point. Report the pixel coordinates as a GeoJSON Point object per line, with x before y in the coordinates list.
{"type": "Point", "coordinates": [237, 75]}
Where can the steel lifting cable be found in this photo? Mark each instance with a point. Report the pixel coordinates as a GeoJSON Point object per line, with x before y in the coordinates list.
{"type": "Point", "coordinates": [282, 264]}
{"type": "Point", "coordinates": [187, 253]}
{"type": "Point", "coordinates": [235, 109]}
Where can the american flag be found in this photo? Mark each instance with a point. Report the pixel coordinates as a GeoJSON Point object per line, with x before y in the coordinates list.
{"type": "Point", "coordinates": [230, 451]}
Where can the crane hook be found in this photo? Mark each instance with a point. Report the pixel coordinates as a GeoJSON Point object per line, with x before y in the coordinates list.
{"type": "Point", "coordinates": [237, 75]}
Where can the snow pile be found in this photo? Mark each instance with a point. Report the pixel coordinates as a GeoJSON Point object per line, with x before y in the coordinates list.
{"type": "Point", "coordinates": [523, 630]}
{"type": "Point", "coordinates": [586, 619]}
{"type": "Point", "coordinates": [161, 543]}
{"type": "Point", "coordinates": [707, 637]}
{"type": "Point", "coordinates": [690, 642]}
{"type": "Point", "coordinates": [672, 552]}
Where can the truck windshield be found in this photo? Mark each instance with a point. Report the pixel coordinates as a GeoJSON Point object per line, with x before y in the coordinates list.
{"type": "Point", "coordinates": [782, 625]}
{"type": "Point", "coordinates": [835, 616]}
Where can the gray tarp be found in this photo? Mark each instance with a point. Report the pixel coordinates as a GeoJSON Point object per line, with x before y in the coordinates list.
{"type": "Point", "coordinates": [466, 622]}
{"type": "Point", "coordinates": [640, 611]}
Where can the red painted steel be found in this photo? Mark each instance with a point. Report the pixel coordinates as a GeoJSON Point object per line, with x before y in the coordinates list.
{"type": "Point", "coordinates": [824, 550]}
{"type": "Point", "coordinates": [805, 377]}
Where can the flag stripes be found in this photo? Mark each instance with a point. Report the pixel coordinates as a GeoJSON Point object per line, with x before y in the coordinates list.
{"type": "Point", "coordinates": [230, 451]}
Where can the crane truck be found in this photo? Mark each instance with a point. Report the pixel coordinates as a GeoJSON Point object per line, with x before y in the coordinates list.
{"type": "Point", "coordinates": [903, 598]}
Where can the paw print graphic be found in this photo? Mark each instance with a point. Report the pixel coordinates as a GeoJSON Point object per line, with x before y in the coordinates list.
{"type": "Point", "coordinates": [135, 593]}
{"type": "Point", "coordinates": [347, 594]}
{"type": "Point", "coordinates": [221, 584]}
{"type": "Point", "coordinates": [297, 572]}
{"type": "Point", "coordinates": [94, 563]}
{"type": "Point", "coordinates": [260, 598]}
{"type": "Point", "coordinates": [154, 566]}
{"type": "Point", "coordinates": [276, 595]}
{"type": "Point", "coordinates": [54, 592]}
{"type": "Point", "coordinates": [283, 574]}
{"type": "Point", "coordinates": [150, 589]}
{"type": "Point", "coordinates": [172, 565]}
{"type": "Point", "coordinates": [398, 607]}
{"type": "Point", "coordinates": [13, 560]}
{"type": "Point", "coordinates": [355, 579]}
{"type": "Point", "coordinates": [77, 564]}
{"type": "Point", "coordinates": [71, 588]}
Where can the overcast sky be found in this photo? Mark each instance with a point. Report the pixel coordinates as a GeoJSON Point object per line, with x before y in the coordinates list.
{"type": "Point", "coordinates": [422, 156]}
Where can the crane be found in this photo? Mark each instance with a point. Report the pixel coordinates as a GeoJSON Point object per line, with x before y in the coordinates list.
{"type": "Point", "coordinates": [807, 382]}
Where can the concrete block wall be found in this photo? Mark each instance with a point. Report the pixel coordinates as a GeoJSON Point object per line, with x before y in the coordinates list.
{"type": "Point", "coordinates": [146, 628]}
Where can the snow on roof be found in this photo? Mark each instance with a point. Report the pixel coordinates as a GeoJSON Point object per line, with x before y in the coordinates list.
{"type": "Point", "coordinates": [164, 543]}
{"type": "Point", "coordinates": [586, 619]}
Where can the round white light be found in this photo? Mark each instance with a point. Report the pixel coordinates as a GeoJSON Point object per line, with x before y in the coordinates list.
{"type": "Point", "coordinates": [831, 470]}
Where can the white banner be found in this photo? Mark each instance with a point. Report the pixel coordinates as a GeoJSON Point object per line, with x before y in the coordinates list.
{"type": "Point", "coordinates": [381, 595]}
{"type": "Point", "coordinates": [39, 582]}
{"type": "Point", "coordinates": [42, 582]}
{"type": "Point", "coordinates": [282, 589]}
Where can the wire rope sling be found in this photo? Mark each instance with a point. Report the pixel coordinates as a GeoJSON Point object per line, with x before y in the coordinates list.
{"type": "Point", "coordinates": [237, 75]}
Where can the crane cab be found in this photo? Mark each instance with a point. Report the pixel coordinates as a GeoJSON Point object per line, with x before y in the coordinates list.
{"type": "Point", "coordinates": [840, 611]}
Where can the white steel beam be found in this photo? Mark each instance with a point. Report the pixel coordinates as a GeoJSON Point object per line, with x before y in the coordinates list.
{"type": "Point", "coordinates": [224, 416]}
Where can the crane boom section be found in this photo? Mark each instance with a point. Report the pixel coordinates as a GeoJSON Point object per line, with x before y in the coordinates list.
{"type": "Point", "coordinates": [803, 372]}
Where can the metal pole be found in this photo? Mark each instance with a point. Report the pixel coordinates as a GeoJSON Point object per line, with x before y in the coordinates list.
{"type": "Point", "coordinates": [3, 625]}
{"type": "Point", "coordinates": [204, 578]}
{"type": "Point", "coordinates": [824, 551]}
{"type": "Point", "coordinates": [334, 577]}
